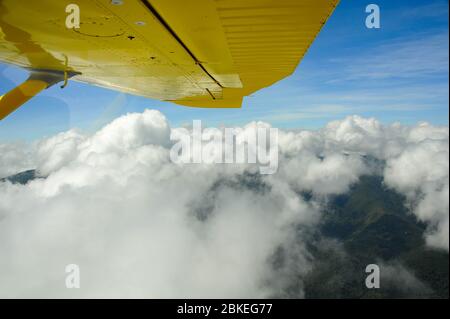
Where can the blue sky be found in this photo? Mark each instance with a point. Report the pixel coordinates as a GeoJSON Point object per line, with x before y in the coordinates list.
{"type": "Point", "coordinates": [396, 73]}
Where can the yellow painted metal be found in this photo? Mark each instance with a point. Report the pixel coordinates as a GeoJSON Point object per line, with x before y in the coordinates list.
{"type": "Point", "coordinates": [18, 96]}
{"type": "Point", "coordinates": [204, 53]}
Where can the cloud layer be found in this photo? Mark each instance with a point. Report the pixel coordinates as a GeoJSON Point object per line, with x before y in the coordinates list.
{"type": "Point", "coordinates": [139, 225]}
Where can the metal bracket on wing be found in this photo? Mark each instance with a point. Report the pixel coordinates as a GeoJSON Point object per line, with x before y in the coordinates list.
{"type": "Point", "coordinates": [37, 81]}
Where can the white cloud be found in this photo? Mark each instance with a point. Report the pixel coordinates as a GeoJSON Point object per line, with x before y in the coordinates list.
{"type": "Point", "coordinates": [139, 225]}
{"type": "Point", "coordinates": [115, 205]}
{"type": "Point", "coordinates": [15, 158]}
{"type": "Point", "coordinates": [421, 172]}
{"type": "Point", "coordinates": [57, 151]}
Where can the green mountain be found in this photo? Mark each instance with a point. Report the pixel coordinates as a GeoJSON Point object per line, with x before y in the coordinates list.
{"type": "Point", "coordinates": [372, 225]}
{"type": "Point", "coordinates": [21, 178]}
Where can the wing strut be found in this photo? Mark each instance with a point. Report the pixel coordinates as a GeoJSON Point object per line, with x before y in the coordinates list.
{"type": "Point", "coordinates": [37, 81]}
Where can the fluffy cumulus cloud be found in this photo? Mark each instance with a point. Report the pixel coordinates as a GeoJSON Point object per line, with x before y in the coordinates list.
{"type": "Point", "coordinates": [140, 225]}
{"type": "Point", "coordinates": [420, 171]}
{"type": "Point", "coordinates": [417, 165]}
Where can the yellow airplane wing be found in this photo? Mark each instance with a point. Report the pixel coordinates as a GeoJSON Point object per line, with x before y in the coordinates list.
{"type": "Point", "coordinates": [202, 53]}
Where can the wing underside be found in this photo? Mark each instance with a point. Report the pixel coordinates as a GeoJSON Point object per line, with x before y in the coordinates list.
{"type": "Point", "coordinates": [204, 53]}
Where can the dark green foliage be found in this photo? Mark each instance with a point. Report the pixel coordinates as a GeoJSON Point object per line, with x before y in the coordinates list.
{"type": "Point", "coordinates": [373, 226]}
{"type": "Point", "coordinates": [21, 178]}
